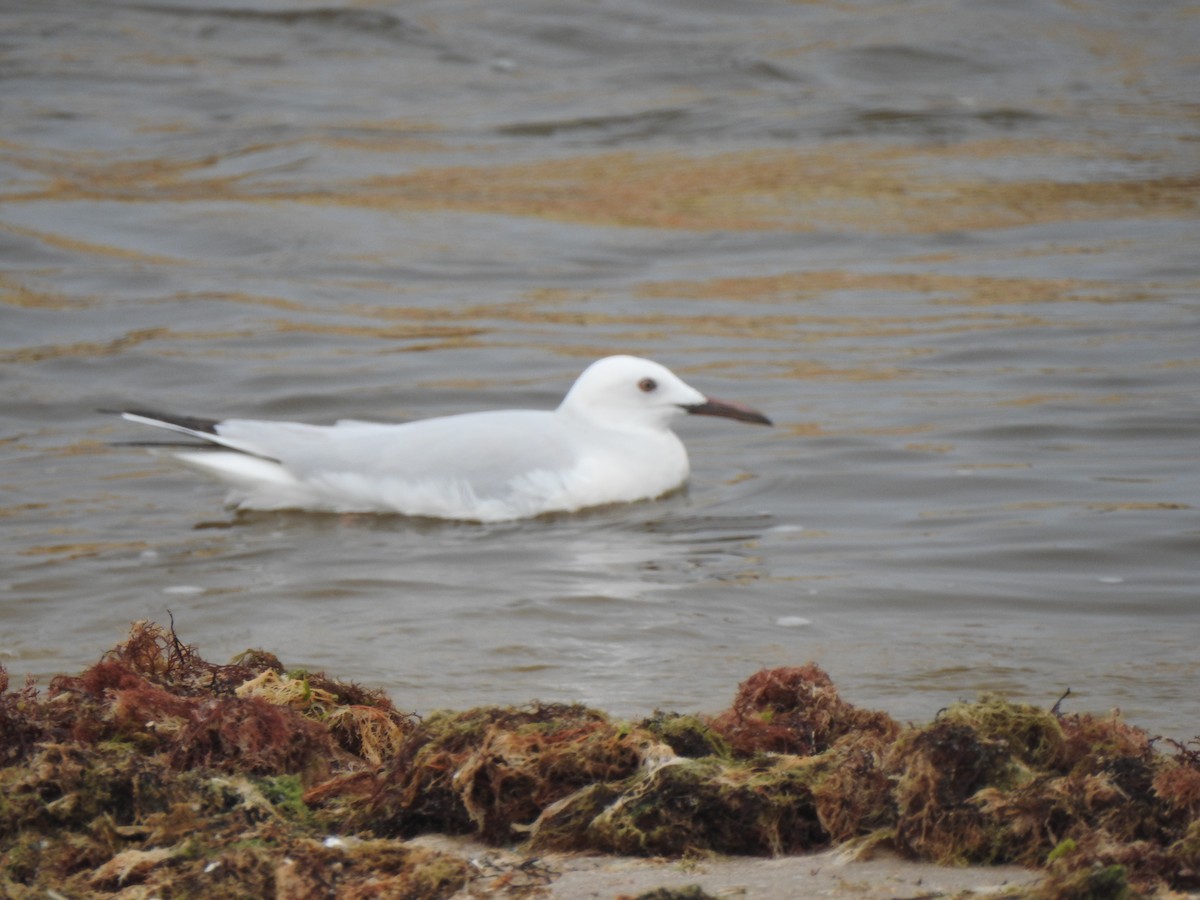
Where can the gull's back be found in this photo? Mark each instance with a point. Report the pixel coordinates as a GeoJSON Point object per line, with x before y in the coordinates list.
{"type": "Point", "coordinates": [487, 465]}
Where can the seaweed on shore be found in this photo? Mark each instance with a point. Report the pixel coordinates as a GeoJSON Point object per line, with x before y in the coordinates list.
{"type": "Point", "coordinates": [157, 773]}
{"type": "Point", "coordinates": [155, 770]}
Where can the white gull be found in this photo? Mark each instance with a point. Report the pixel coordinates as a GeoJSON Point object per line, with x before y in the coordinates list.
{"type": "Point", "coordinates": [609, 441]}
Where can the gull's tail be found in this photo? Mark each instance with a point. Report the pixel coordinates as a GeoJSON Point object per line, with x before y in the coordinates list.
{"type": "Point", "coordinates": [208, 431]}
{"type": "Point", "coordinates": [229, 460]}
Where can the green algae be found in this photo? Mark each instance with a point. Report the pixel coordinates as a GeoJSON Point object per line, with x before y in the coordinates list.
{"type": "Point", "coordinates": [687, 735]}
{"type": "Point", "coordinates": [701, 806]}
{"type": "Point", "coordinates": [1032, 735]}
{"type": "Point", "coordinates": [156, 773]}
{"type": "Point", "coordinates": [1064, 847]}
{"type": "Point", "coordinates": [286, 794]}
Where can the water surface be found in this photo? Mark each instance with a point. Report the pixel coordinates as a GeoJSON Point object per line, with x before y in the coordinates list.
{"type": "Point", "coordinates": [950, 248]}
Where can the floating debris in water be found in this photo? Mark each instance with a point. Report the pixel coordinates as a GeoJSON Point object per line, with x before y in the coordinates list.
{"type": "Point", "coordinates": [158, 770]}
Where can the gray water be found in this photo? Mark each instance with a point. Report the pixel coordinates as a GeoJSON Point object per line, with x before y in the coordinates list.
{"type": "Point", "coordinates": [950, 247]}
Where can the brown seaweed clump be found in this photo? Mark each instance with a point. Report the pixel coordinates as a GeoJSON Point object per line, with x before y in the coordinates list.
{"type": "Point", "coordinates": [487, 771]}
{"type": "Point", "coordinates": [795, 710]}
{"type": "Point", "coordinates": [688, 807]}
{"type": "Point", "coordinates": [156, 773]}
{"type": "Point", "coordinates": [1089, 797]}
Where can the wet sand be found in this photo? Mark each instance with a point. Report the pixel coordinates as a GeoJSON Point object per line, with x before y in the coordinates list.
{"type": "Point", "coordinates": [832, 873]}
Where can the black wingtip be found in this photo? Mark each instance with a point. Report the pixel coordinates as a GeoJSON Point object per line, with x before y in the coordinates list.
{"type": "Point", "coordinates": [191, 423]}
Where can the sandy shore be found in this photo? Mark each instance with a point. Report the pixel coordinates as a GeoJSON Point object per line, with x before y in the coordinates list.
{"type": "Point", "coordinates": [832, 873]}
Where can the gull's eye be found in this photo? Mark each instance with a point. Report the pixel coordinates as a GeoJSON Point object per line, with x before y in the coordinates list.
{"type": "Point", "coordinates": [646, 385]}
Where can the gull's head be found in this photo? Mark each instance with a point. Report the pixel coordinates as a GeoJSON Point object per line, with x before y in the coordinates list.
{"type": "Point", "coordinates": [629, 392]}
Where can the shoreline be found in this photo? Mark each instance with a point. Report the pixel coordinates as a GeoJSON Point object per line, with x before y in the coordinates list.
{"type": "Point", "coordinates": [157, 773]}
{"type": "Point", "coordinates": [834, 873]}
